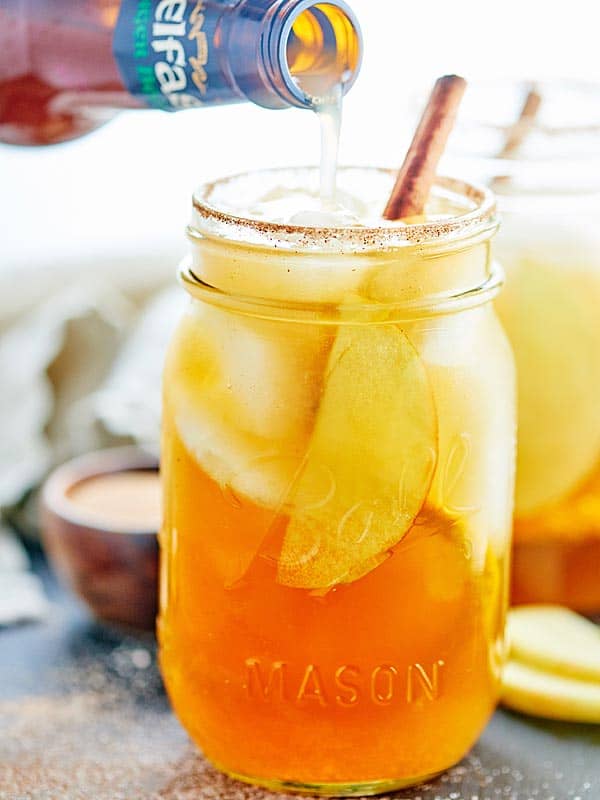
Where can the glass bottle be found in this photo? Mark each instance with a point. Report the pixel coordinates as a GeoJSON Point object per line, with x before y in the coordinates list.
{"type": "Point", "coordinates": [548, 189]}
{"type": "Point", "coordinates": [338, 458]}
{"type": "Point", "coordinates": [66, 65]}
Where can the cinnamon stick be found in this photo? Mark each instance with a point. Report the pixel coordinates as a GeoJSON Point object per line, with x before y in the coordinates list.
{"type": "Point", "coordinates": [516, 134]}
{"type": "Point", "coordinates": [417, 173]}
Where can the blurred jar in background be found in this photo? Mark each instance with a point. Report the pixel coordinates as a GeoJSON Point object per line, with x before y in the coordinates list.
{"type": "Point", "coordinates": [546, 173]}
{"type": "Point", "coordinates": [66, 66]}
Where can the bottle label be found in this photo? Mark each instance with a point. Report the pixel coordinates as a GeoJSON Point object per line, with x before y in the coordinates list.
{"type": "Point", "coordinates": [162, 50]}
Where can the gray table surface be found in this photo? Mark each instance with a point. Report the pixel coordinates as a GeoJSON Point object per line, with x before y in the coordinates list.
{"type": "Point", "coordinates": [83, 715]}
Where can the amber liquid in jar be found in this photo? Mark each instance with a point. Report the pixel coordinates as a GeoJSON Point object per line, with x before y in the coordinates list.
{"type": "Point", "coordinates": [556, 555]}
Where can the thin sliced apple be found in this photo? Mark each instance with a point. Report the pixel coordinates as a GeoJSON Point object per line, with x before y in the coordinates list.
{"type": "Point", "coordinates": [556, 640]}
{"type": "Point", "coordinates": [545, 694]}
{"type": "Point", "coordinates": [375, 438]}
{"type": "Point", "coordinates": [549, 309]}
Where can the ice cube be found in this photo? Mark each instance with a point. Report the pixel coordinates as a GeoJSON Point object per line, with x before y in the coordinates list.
{"type": "Point", "coordinates": [470, 369]}
{"type": "Point", "coordinates": [244, 393]}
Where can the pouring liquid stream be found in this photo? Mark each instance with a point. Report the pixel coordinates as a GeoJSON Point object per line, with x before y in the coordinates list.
{"type": "Point", "coordinates": [329, 113]}
{"type": "Point", "coordinates": [325, 92]}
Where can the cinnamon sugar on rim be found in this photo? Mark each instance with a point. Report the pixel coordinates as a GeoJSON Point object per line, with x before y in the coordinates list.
{"type": "Point", "coordinates": [472, 208]}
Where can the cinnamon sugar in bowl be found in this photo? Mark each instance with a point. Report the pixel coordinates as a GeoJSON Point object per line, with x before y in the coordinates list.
{"type": "Point", "coordinates": [100, 516]}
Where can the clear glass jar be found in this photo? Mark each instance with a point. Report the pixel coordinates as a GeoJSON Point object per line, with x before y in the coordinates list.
{"type": "Point", "coordinates": [338, 457]}
{"type": "Point", "coordinates": [548, 194]}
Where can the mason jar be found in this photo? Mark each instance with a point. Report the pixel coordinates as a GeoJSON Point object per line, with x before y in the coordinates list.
{"type": "Point", "coordinates": [548, 189]}
{"type": "Point", "coordinates": [337, 458]}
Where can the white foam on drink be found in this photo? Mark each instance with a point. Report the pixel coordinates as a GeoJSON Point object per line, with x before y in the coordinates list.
{"type": "Point", "coordinates": [304, 206]}
{"type": "Point", "coordinates": [292, 197]}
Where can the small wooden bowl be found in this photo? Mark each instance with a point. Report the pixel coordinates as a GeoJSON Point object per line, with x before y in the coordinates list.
{"type": "Point", "coordinates": [114, 570]}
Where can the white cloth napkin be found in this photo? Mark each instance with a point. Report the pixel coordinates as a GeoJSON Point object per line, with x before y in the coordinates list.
{"type": "Point", "coordinates": [22, 597]}
{"type": "Point", "coordinates": [80, 370]}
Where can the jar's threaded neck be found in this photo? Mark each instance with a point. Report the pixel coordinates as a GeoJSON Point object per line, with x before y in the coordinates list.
{"type": "Point", "coordinates": [361, 274]}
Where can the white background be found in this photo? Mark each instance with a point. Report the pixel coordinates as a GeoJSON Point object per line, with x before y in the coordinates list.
{"type": "Point", "coordinates": [125, 189]}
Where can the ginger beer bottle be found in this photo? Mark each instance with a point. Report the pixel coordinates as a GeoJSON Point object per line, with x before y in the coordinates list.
{"type": "Point", "coordinates": [66, 66]}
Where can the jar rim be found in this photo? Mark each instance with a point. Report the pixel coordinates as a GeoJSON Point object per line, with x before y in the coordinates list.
{"type": "Point", "coordinates": [213, 222]}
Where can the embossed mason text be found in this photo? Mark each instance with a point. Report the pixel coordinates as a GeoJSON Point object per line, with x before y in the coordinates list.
{"type": "Point", "coordinates": [345, 686]}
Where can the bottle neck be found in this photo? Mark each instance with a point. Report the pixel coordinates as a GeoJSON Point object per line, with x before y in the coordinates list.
{"type": "Point", "coordinates": [293, 52]}
{"type": "Point", "coordinates": [63, 75]}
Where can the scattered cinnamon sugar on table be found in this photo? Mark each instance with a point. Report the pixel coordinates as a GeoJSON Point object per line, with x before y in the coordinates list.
{"type": "Point", "coordinates": [417, 173]}
{"type": "Point", "coordinates": [104, 732]}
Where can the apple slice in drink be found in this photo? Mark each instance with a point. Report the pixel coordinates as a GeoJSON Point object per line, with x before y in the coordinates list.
{"type": "Point", "coordinates": [375, 437]}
